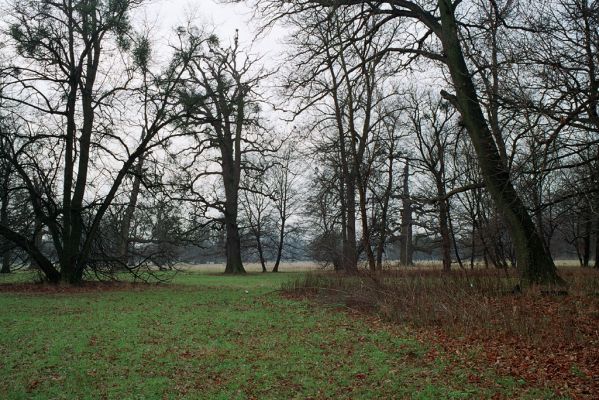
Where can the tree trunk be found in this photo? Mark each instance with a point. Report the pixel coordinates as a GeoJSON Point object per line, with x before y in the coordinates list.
{"type": "Point", "coordinates": [406, 220]}
{"type": "Point", "coordinates": [533, 259]}
{"type": "Point", "coordinates": [5, 198]}
{"type": "Point", "coordinates": [123, 250]}
{"type": "Point", "coordinates": [233, 249]}
{"type": "Point", "coordinates": [445, 236]}
{"type": "Point", "coordinates": [454, 240]}
{"type": "Point", "coordinates": [233, 245]}
{"type": "Point", "coordinates": [586, 239]}
{"type": "Point", "coordinates": [260, 251]}
{"type": "Point", "coordinates": [380, 249]}
{"type": "Point", "coordinates": [231, 173]}
{"type": "Point", "coordinates": [596, 265]}
{"type": "Point", "coordinates": [38, 235]}
{"type": "Point", "coordinates": [365, 228]}
{"type": "Point", "coordinates": [350, 258]}
{"type": "Point", "coordinates": [45, 265]}
{"type": "Point", "coordinates": [443, 205]}
{"type": "Point", "coordinates": [280, 245]}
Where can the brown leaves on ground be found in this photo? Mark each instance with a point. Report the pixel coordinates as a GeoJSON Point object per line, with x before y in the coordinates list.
{"type": "Point", "coordinates": [475, 318]}
{"type": "Point", "coordinates": [562, 354]}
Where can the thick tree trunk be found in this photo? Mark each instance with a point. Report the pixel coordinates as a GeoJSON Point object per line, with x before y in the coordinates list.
{"type": "Point", "coordinates": [406, 220]}
{"type": "Point", "coordinates": [38, 235]}
{"type": "Point", "coordinates": [233, 249]}
{"type": "Point", "coordinates": [533, 259]}
{"type": "Point", "coordinates": [231, 173]}
{"type": "Point", "coordinates": [445, 235]}
{"type": "Point", "coordinates": [233, 246]}
{"type": "Point", "coordinates": [350, 257]}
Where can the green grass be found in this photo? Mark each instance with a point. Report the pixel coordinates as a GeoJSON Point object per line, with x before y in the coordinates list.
{"type": "Point", "coordinates": [216, 337]}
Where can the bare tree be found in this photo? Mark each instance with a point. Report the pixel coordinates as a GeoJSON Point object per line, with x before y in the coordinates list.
{"type": "Point", "coordinates": [258, 212]}
{"type": "Point", "coordinates": [64, 78]}
{"type": "Point", "coordinates": [222, 87]}
{"type": "Point", "coordinates": [432, 123]}
{"type": "Point", "coordinates": [343, 86]}
{"type": "Point", "coordinates": [435, 34]}
{"type": "Point", "coordinates": [285, 180]}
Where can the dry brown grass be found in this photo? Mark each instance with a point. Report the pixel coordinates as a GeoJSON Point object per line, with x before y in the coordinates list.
{"type": "Point", "coordinates": [542, 335]}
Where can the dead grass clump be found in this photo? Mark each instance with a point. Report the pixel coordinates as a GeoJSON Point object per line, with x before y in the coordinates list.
{"type": "Point", "coordinates": [543, 336]}
{"type": "Point", "coordinates": [461, 301]}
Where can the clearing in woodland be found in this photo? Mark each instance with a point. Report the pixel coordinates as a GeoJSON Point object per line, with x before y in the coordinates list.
{"type": "Point", "coordinates": [220, 337]}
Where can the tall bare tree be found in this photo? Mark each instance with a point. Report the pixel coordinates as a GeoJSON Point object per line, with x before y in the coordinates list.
{"type": "Point", "coordinates": [222, 87]}
{"type": "Point", "coordinates": [434, 33]}
{"type": "Point", "coordinates": [67, 79]}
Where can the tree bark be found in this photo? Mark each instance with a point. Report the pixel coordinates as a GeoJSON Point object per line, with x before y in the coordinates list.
{"type": "Point", "coordinates": [406, 220]}
{"type": "Point", "coordinates": [231, 168]}
{"type": "Point", "coordinates": [233, 249]}
{"type": "Point", "coordinates": [350, 258]}
{"type": "Point", "coordinates": [233, 245]}
{"type": "Point", "coordinates": [445, 235]}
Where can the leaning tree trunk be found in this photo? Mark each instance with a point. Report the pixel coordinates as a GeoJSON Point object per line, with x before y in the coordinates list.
{"type": "Point", "coordinates": [533, 258]}
{"type": "Point", "coordinates": [38, 236]}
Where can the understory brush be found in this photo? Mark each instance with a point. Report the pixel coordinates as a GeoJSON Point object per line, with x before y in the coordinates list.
{"type": "Point", "coordinates": [541, 334]}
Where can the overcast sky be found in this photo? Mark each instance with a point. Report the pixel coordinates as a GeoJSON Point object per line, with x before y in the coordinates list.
{"type": "Point", "coordinates": [163, 15]}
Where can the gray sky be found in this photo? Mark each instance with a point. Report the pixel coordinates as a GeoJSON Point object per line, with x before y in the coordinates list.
{"type": "Point", "coordinates": [225, 18]}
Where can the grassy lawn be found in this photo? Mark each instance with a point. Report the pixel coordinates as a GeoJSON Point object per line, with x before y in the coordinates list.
{"type": "Point", "coordinates": [216, 337]}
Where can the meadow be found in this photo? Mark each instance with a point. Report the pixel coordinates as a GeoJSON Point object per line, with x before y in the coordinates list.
{"type": "Point", "coordinates": [208, 336]}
